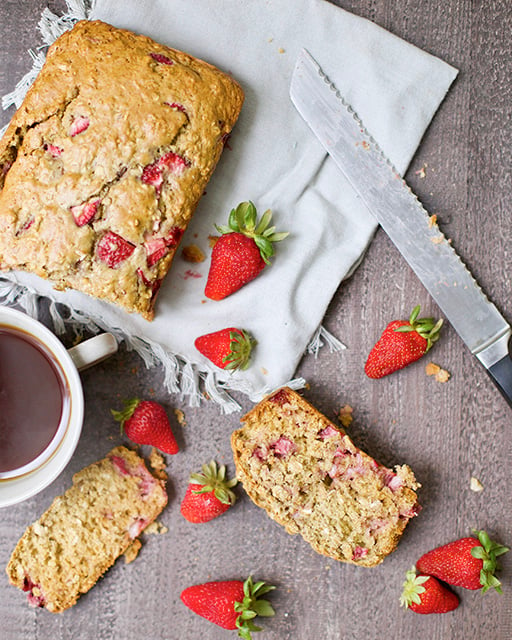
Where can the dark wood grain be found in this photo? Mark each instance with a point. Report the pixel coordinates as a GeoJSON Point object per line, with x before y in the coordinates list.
{"type": "Point", "coordinates": [445, 432]}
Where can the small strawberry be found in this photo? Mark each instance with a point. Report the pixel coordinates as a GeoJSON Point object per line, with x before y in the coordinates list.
{"type": "Point", "coordinates": [228, 348]}
{"type": "Point", "coordinates": [401, 343]}
{"type": "Point", "coordinates": [242, 251]}
{"type": "Point", "coordinates": [231, 604]}
{"type": "Point", "coordinates": [425, 594]}
{"type": "Point", "coordinates": [112, 249]}
{"type": "Point", "coordinates": [467, 562]}
{"type": "Point", "coordinates": [146, 422]}
{"type": "Point", "coordinates": [208, 495]}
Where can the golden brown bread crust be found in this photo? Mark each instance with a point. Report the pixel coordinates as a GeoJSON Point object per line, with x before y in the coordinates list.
{"type": "Point", "coordinates": [310, 477]}
{"type": "Point", "coordinates": [84, 531]}
{"type": "Point", "coordinates": [117, 135]}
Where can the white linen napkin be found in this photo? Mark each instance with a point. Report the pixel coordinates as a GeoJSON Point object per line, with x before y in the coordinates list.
{"type": "Point", "coordinates": [274, 160]}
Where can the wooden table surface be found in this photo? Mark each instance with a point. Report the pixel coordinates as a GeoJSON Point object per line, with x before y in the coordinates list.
{"type": "Point", "coordinates": [445, 432]}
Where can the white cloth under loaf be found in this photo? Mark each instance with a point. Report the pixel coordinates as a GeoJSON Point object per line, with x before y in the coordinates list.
{"type": "Point", "coordinates": [274, 160]}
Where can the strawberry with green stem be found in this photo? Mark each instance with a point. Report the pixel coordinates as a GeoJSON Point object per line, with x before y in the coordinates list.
{"type": "Point", "coordinates": [242, 251]}
{"type": "Point", "coordinates": [425, 594]}
{"type": "Point", "coordinates": [402, 342]}
{"type": "Point", "coordinates": [467, 562]}
{"type": "Point", "coordinates": [228, 348]}
{"type": "Point", "coordinates": [230, 604]}
{"type": "Point", "coordinates": [209, 494]}
{"type": "Point", "coordinates": [146, 422]}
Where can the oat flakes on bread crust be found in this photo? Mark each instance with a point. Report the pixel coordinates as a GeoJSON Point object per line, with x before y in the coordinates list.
{"type": "Point", "coordinates": [310, 477]}
{"type": "Point", "coordinates": [103, 164]}
{"type": "Point", "coordinates": [83, 532]}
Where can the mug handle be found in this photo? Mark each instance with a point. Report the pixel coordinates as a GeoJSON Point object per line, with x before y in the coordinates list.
{"type": "Point", "coordinates": [93, 350]}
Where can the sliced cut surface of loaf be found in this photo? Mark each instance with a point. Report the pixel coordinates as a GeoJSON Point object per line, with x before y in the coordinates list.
{"type": "Point", "coordinates": [84, 531]}
{"type": "Point", "coordinates": [102, 166]}
{"type": "Point", "coordinates": [310, 477]}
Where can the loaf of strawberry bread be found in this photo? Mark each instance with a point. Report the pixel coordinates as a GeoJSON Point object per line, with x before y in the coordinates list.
{"type": "Point", "coordinates": [310, 477]}
{"type": "Point", "coordinates": [84, 531]}
{"type": "Point", "coordinates": [105, 161]}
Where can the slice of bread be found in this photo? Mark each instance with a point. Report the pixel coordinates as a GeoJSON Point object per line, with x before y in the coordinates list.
{"type": "Point", "coordinates": [85, 530]}
{"type": "Point", "coordinates": [311, 478]}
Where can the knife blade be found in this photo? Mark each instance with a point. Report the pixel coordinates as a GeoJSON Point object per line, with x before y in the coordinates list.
{"type": "Point", "coordinates": [399, 212]}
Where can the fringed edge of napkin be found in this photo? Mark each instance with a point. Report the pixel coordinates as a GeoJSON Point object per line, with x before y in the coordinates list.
{"type": "Point", "coordinates": [180, 375]}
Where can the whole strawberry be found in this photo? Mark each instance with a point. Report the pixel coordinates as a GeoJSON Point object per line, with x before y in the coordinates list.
{"type": "Point", "coordinates": [209, 494]}
{"type": "Point", "coordinates": [425, 594]}
{"type": "Point", "coordinates": [401, 343]}
{"type": "Point", "coordinates": [146, 422]}
{"type": "Point", "coordinates": [467, 562]}
{"type": "Point", "coordinates": [231, 604]}
{"type": "Point", "coordinates": [228, 348]}
{"type": "Point", "coordinates": [242, 251]}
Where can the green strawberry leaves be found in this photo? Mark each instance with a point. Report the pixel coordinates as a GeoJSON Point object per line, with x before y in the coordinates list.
{"type": "Point", "coordinates": [412, 588]}
{"type": "Point", "coordinates": [252, 606]}
{"type": "Point", "coordinates": [427, 328]}
{"type": "Point", "coordinates": [214, 480]}
{"type": "Point", "coordinates": [488, 553]}
{"type": "Point", "coordinates": [241, 346]}
{"type": "Point", "coordinates": [244, 219]}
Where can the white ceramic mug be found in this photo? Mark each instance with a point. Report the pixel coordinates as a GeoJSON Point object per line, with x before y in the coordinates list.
{"type": "Point", "coordinates": [21, 482]}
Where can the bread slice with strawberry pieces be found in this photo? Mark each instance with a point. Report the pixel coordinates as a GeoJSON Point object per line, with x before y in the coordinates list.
{"type": "Point", "coordinates": [84, 531]}
{"type": "Point", "coordinates": [311, 478]}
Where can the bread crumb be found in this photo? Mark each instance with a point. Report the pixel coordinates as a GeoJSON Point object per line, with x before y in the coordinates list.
{"type": "Point", "coordinates": [158, 464]}
{"type": "Point", "coordinates": [432, 221]}
{"type": "Point", "coordinates": [440, 375]}
{"type": "Point", "coordinates": [264, 371]}
{"type": "Point", "coordinates": [476, 485]}
{"type": "Point", "coordinates": [156, 528]}
{"type": "Point", "coordinates": [437, 239]}
{"type": "Point", "coordinates": [133, 551]}
{"type": "Point", "coordinates": [193, 253]}
{"type": "Point", "coordinates": [180, 417]}
{"type": "Point", "coordinates": [422, 172]}
{"type": "Point", "coordinates": [212, 241]}
{"type": "Point", "coordinates": [345, 415]}
{"type": "Point", "coordinates": [281, 50]}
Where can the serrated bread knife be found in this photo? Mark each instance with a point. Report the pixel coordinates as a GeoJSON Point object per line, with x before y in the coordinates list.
{"type": "Point", "coordinates": [403, 218]}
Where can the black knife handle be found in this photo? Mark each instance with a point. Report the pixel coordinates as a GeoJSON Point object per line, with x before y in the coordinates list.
{"type": "Point", "coordinates": [501, 374]}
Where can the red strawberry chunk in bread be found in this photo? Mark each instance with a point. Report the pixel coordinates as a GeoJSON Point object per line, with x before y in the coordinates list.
{"type": "Point", "coordinates": [174, 236]}
{"type": "Point", "coordinates": [53, 150]}
{"type": "Point", "coordinates": [159, 57]}
{"type": "Point", "coordinates": [79, 125]}
{"type": "Point", "coordinates": [174, 163]}
{"type": "Point", "coordinates": [156, 249]}
{"type": "Point", "coordinates": [283, 447]}
{"type": "Point", "coordinates": [35, 597]}
{"type": "Point", "coordinates": [177, 106]}
{"type": "Point", "coordinates": [137, 527]}
{"type": "Point", "coordinates": [328, 432]}
{"type": "Point", "coordinates": [359, 552]}
{"type": "Point", "coordinates": [112, 249]}
{"type": "Point", "coordinates": [152, 174]}
{"type": "Point", "coordinates": [84, 213]}
{"type": "Point", "coordinates": [169, 163]}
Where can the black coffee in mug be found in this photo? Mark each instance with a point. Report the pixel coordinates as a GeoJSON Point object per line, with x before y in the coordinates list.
{"type": "Point", "coordinates": [34, 398]}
